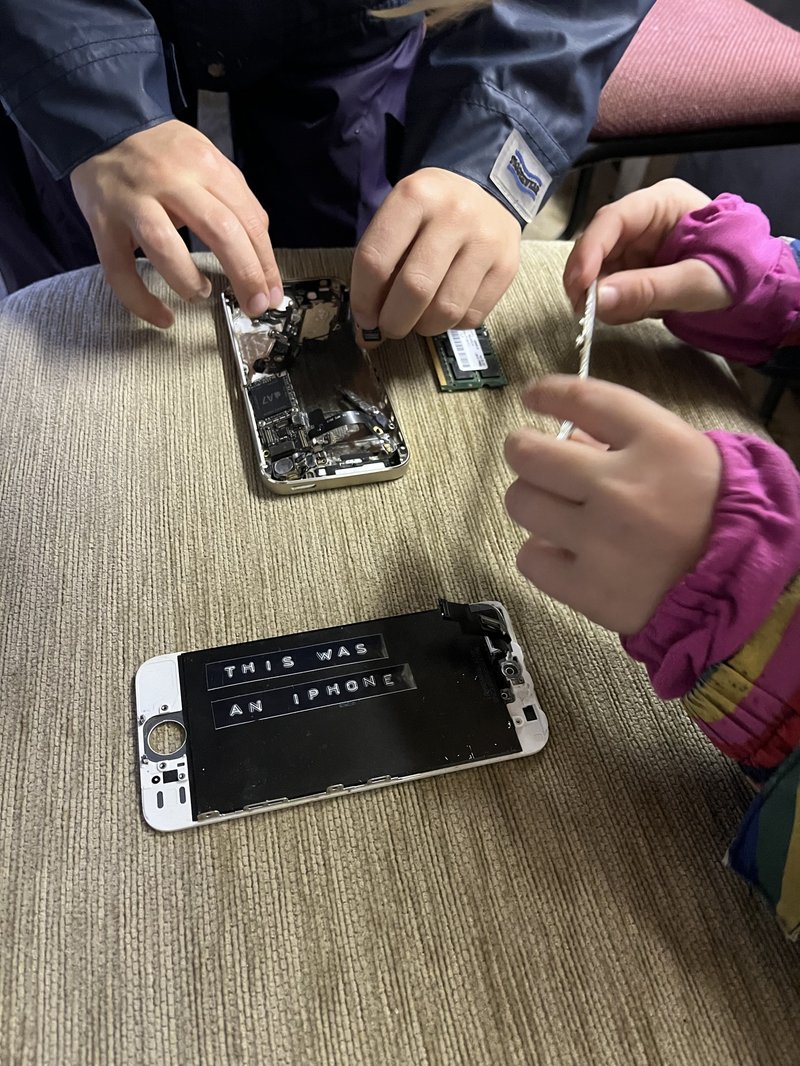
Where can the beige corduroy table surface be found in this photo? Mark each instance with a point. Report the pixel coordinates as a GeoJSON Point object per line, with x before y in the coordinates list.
{"type": "Point", "coordinates": [566, 908]}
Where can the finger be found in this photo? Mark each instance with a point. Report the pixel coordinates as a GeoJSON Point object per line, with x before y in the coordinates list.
{"type": "Point", "coordinates": [598, 241]}
{"type": "Point", "coordinates": [605, 411]}
{"type": "Point", "coordinates": [493, 286]}
{"type": "Point", "coordinates": [221, 230]}
{"type": "Point", "coordinates": [164, 247]}
{"type": "Point", "coordinates": [607, 236]}
{"type": "Point", "coordinates": [550, 517]}
{"type": "Point", "coordinates": [417, 282]}
{"type": "Point", "coordinates": [690, 285]}
{"type": "Point", "coordinates": [549, 568]}
{"type": "Point", "coordinates": [580, 437]}
{"type": "Point", "coordinates": [115, 250]}
{"type": "Point", "coordinates": [254, 220]}
{"type": "Point", "coordinates": [457, 294]}
{"type": "Point", "coordinates": [562, 468]}
{"type": "Point", "coordinates": [632, 228]}
{"type": "Point", "coordinates": [379, 253]}
{"type": "Point", "coordinates": [567, 578]}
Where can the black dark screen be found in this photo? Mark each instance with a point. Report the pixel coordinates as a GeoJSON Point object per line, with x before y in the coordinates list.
{"type": "Point", "coordinates": [415, 694]}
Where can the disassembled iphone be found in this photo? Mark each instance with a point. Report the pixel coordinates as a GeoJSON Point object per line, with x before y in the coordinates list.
{"type": "Point", "coordinates": [319, 416]}
{"type": "Point", "coordinates": [312, 715]}
{"type": "Point", "coordinates": [465, 359]}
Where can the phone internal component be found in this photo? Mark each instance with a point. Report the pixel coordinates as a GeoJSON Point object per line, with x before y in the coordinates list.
{"type": "Point", "coordinates": [316, 406]}
{"type": "Point", "coordinates": [465, 359]}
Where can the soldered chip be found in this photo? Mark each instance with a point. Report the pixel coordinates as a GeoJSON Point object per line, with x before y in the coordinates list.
{"type": "Point", "coordinates": [270, 397]}
{"type": "Point", "coordinates": [465, 359]}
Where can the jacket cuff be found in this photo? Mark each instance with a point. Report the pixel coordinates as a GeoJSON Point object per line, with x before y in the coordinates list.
{"type": "Point", "coordinates": [752, 554]}
{"type": "Point", "coordinates": [91, 98]}
{"type": "Point", "coordinates": [759, 270]}
{"type": "Point", "coordinates": [508, 96]}
{"type": "Point", "coordinates": [512, 156]}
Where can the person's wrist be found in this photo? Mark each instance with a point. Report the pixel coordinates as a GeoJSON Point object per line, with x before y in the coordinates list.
{"type": "Point", "coordinates": [751, 555]}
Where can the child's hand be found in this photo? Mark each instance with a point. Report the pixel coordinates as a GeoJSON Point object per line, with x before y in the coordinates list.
{"type": "Point", "coordinates": [439, 253]}
{"type": "Point", "coordinates": [611, 530]}
{"type": "Point", "coordinates": [620, 245]}
{"type": "Point", "coordinates": [135, 194]}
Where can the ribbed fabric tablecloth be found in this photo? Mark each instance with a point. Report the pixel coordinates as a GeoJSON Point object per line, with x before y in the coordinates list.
{"type": "Point", "coordinates": [569, 908]}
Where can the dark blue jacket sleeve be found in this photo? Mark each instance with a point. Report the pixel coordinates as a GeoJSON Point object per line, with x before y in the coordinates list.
{"type": "Point", "coordinates": [80, 75]}
{"type": "Point", "coordinates": [77, 76]}
{"type": "Point", "coordinates": [518, 69]}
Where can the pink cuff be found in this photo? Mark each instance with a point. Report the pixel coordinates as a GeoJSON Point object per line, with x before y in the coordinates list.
{"type": "Point", "coordinates": [758, 270]}
{"type": "Point", "coordinates": [752, 554]}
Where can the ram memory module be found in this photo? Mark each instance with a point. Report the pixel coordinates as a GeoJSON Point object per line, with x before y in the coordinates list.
{"type": "Point", "coordinates": [465, 359]}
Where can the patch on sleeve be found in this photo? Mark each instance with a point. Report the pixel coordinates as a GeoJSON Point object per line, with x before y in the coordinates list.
{"type": "Point", "coordinates": [520, 177]}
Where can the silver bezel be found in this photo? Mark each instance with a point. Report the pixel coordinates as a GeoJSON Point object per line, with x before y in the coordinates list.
{"type": "Point", "coordinates": [238, 326]}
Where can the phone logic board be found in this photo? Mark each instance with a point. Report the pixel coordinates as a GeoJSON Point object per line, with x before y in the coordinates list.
{"type": "Point", "coordinates": [465, 359]}
{"type": "Point", "coordinates": [317, 410]}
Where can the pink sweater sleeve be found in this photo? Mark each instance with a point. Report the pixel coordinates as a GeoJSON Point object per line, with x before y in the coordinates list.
{"type": "Point", "coordinates": [759, 270]}
{"type": "Point", "coordinates": [727, 640]}
{"type": "Point", "coordinates": [752, 555]}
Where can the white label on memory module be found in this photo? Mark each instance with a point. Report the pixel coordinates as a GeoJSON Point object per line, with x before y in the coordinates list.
{"type": "Point", "coordinates": [467, 349]}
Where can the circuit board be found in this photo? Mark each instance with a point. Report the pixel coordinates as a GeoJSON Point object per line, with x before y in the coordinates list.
{"type": "Point", "coordinates": [318, 412]}
{"type": "Point", "coordinates": [465, 359]}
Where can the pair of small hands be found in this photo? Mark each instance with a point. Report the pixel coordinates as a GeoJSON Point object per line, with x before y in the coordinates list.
{"type": "Point", "coordinates": [615, 525]}
{"type": "Point", "coordinates": [439, 253]}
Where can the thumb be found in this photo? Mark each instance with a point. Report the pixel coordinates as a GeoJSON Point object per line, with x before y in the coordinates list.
{"type": "Point", "coordinates": [690, 285]}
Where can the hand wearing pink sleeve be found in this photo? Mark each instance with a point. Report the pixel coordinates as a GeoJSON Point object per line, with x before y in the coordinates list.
{"type": "Point", "coordinates": [758, 270]}
{"type": "Point", "coordinates": [711, 269]}
{"type": "Point", "coordinates": [752, 554]}
{"type": "Point", "coordinates": [679, 540]}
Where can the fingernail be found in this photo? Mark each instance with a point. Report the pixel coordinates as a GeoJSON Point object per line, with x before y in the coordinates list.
{"type": "Point", "coordinates": [258, 305]}
{"type": "Point", "coordinates": [607, 298]}
{"type": "Point", "coordinates": [202, 294]}
{"type": "Point", "coordinates": [275, 296]}
{"type": "Point", "coordinates": [373, 334]}
{"type": "Point", "coordinates": [570, 277]}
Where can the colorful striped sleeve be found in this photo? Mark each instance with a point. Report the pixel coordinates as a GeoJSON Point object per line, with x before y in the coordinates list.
{"type": "Point", "coordinates": [726, 641]}
{"type": "Point", "coordinates": [749, 707]}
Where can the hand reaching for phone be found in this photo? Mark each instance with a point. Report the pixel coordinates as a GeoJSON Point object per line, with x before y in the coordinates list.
{"type": "Point", "coordinates": [439, 253]}
{"type": "Point", "coordinates": [620, 245]}
{"type": "Point", "coordinates": [136, 193]}
{"type": "Point", "coordinates": [611, 531]}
